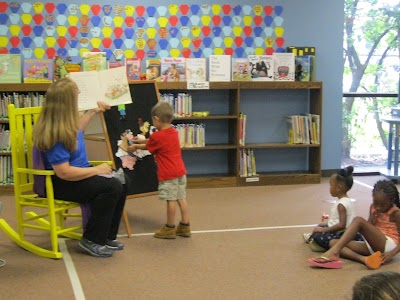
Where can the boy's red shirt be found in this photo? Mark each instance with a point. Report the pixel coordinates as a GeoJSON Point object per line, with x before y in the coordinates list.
{"type": "Point", "coordinates": [164, 144]}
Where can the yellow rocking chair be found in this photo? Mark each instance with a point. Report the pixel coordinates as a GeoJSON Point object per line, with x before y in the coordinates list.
{"type": "Point", "coordinates": [34, 212]}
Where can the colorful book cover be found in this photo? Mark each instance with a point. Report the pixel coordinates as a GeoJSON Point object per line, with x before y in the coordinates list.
{"type": "Point", "coordinates": [115, 64]}
{"type": "Point", "coordinates": [240, 69]}
{"type": "Point", "coordinates": [133, 68]}
{"type": "Point", "coordinates": [173, 69]}
{"type": "Point", "coordinates": [303, 66]}
{"type": "Point", "coordinates": [153, 69]}
{"type": "Point", "coordinates": [195, 69]}
{"type": "Point", "coordinates": [10, 68]}
{"type": "Point", "coordinates": [94, 61]}
{"type": "Point", "coordinates": [220, 68]}
{"type": "Point", "coordinates": [64, 66]}
{"type": "Point", "coordinates": [284, 69]}
{"type": "Point", "coordinates": [38, 70]}
{"type": "Point", "coordinates": [261, 67]}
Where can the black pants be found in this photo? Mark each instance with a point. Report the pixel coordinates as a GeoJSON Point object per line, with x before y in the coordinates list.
{"type": "Point", "coordinates": [106, 199]}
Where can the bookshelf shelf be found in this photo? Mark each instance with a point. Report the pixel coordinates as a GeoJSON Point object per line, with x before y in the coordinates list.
{"type": "Point", "coordinates": [210, 117]}
{"type": "Point", "coordinates": [210, 147]}
{"type": "Point", "coordinates": [278, 145]}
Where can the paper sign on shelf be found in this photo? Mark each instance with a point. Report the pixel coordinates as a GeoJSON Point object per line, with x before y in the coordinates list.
{"type": "Point", "coordinates": [203, 85]}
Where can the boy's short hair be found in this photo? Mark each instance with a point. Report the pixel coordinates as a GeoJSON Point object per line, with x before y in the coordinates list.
{"type": "Point", "coordinates": [163, 111]}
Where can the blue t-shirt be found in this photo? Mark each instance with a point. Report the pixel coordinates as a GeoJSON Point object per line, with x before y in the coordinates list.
{"type": "Point", "coordinates": [60, 154]}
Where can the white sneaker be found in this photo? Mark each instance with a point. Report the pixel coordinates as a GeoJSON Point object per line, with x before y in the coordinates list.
{"type": "Point", "coordinates": [306, 237]}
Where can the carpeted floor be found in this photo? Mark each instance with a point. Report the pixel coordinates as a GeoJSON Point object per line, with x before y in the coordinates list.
{"type": "Point", "coordinates": [246, 244]}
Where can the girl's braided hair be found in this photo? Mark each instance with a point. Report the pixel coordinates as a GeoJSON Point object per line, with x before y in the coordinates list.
{"type": "Point", "coordinates": [388, 188]}
{"type": "Point", "coordinates": [345, 176]}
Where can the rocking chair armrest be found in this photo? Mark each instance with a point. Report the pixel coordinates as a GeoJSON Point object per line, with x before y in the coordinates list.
{"type": "Point", "coordinates": [35, 171]}
{"type": "Point", "coordinates": [98, 162]}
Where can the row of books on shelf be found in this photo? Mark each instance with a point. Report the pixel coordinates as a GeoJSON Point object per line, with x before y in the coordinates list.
{"type": "Point", "coordinates": [181, 102]}
{"type": "Point", "coordinates": [191, 135]}
{"type": "Point", "coordinates": [276, 67]}
{"type": "Point", "coordinates": [20, 100]}
{"type": "Point", "coordinates": [5, 142]}
{"type": "Point", "coordinates": [303, 129]}
{"type": "Point", "coordinates": [6, 174]}
{"type": "Point", "coordinates": [247, 163]}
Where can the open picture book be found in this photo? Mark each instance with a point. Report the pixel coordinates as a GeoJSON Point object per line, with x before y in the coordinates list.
{"type": "Point", "coordinates": [110, 86]}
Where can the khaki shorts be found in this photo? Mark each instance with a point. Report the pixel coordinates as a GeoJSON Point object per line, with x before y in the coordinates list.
{"type": "Point", "coordinates": [174, 189]}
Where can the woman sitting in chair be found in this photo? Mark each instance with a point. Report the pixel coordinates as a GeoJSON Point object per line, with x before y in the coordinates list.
{"type": "Point", "coordinates": [59, 134]}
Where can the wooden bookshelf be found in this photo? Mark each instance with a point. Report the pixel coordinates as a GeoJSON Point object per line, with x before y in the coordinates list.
{"type": "Point", "coordinates": [220, 157]}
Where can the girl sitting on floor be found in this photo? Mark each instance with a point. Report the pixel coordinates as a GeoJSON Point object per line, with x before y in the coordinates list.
{"type": "Point", "coordinates": [381, 233]}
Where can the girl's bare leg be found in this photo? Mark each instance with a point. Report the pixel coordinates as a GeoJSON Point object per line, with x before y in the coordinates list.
{"type": "Point", "coordinates": [375, 238]}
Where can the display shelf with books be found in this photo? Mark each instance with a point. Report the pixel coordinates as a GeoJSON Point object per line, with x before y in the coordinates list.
{"type": "Point", "coordinates": [215, 163]}
{"type": "Point", "coordinates": [26, 94]}
{"type": "Point", "coordinates": [273, 102]}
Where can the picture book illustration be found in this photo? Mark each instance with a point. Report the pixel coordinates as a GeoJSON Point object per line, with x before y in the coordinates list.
{"type": "Point", "coordinates": [64, 66]}
{"type": "Point", "coordinates": [196, 69]}
{"type": "Point", "coordinates": [173, 69]}
{"type": "Point", "coordinates": [153, 69]}
{"type": "Point", "coordinates": [261, 67]}
{"type": "Point", "coordinates": [240, 69]}
{"type": "Point", "coordinates": [38, 70]}
{"type": "Point", "coordinates": [94, 61]}
{"type": "Point", "coordinates": [110, 86]}
{"type": "Point", "coordinates": [284, 67]}
{"type": "Point", "coordinates": [133, 68]}
{"type": "Point", "coordinates": [10, 68]}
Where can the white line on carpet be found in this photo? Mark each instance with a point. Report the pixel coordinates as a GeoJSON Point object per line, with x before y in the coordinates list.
{"type": "Point", "coordinates": [236, 229]}
{"type": "Point", "coordinates": [73, 275]}
{"type": "Point", "coordinates": [364, 184]}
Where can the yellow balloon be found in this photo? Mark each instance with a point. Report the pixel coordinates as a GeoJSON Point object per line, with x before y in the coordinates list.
{"type": "Point", "coordinates": [38, 7]}
{"type": "Point", "coordinates": [218, 51]}
{"type": "Point", "coordinates": [237, 30]}
{"type": "Point", "coordinates": [50, 41]}
{"type": "Point", "coordinates": [73, 20]}
{"type": "Point", "coordinates": [140, 43]}
{"type": "Point", "coordinates": [173, 9]}
{"type": "Point", "coordinates": [186, 42]}
{"type": "Point", "coordinates": [247, 20]}
{"type": "Point", "coordinates": [3, 41]}
{"type": "Point", "coordinates": [107, 31]}
{"type": "Point", "coordinates": [259, 51]}
{"type": "Point", "coordinates": [85, 9]}
{"type": "Point", "coordinates": [129, 10]}
{"type": "Point", "coordinates": [205, 19]}
{"type": "Point", "coordinates": [26, 18]}
{"type": "Point", "coordinates": [257, 9]}
{"type": "Point", "coordinates": [196, 31]}
{"type": "Point", "coordinates": [96, 42]}
{"type": "Point", "coordinates": [228, 41]}
{"type": "Point", "coordinates": [216, 8]}
{"type": "Point", "coordinates": [279, 31]}
{"type": "Point", "coordinates": [15, 29]}
{"type": "Point", "coordinates": [151, 32]}
{"type": "Point", "coordinates": [175, 52]}
{"type": "Point", "coordinates": [61, 30]}
{"type": "Point", "coordinates": [118, 21]}
{"type": "Point", "coordinates": [129, 53]}
{"type": "Point", "coordinates": [162, 21]}
{"type": "Point", "coordinates": [39, 52]}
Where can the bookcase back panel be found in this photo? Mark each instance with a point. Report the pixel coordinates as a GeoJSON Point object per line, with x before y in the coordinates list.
{"type": "Point", "coordinates": [208, 162]}
{"type": "Point", "coordinates": [271, 107]}
{"type": "Point", "coordinates": [284, 160]}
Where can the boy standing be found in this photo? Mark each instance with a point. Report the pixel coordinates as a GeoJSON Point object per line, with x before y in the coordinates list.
{"type": "Point", "coordinates": [171, 172]}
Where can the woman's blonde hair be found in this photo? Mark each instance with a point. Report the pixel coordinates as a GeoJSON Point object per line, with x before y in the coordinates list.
{"type": "Point", "coordinates": [59, 119]}
{"type": "Point", "coordinates": [379, 286]}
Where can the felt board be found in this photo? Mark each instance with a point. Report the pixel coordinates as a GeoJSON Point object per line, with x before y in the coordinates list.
{"type": "Point", "coordinates": [143, 177]}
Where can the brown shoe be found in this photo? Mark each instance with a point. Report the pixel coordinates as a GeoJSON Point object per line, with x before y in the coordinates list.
{"type": "Point", "coordinates": [183, 230]}
{"type": "Point", "coordinates": [166, 233]}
